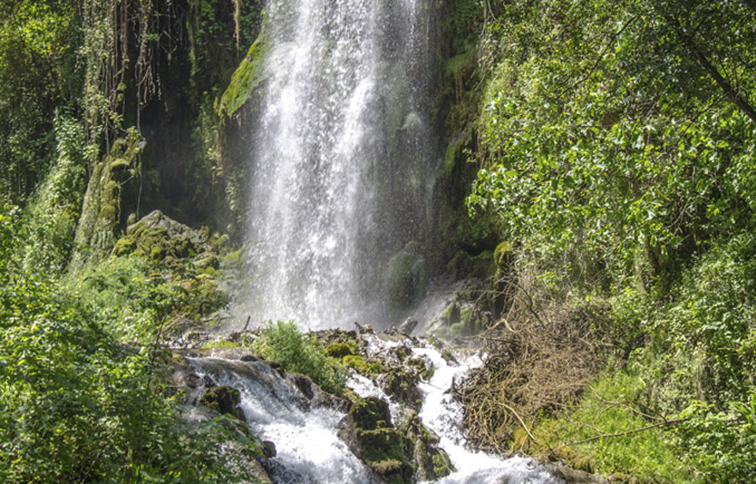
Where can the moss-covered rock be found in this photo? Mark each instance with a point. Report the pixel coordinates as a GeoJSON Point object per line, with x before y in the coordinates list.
{"type": "Point", "coordinates": [248, 76]}
{"type": "Point", "coordinates": [380, 445]}
{"type": "Point", "coordinates": [224, 400]}
{"type": "Point", "coordinates": [101, 212]}
{"type": "Point", "coordinates": [339, 350]}
{"type": "Point", "coordinates": [156, 238]}
{"type": "Point", "coordinates": [401, 384]}
{"type": "Point", "coordinates": [431, 461]}
{"type": "Point", "coordinates": [358, 363]}
{"type": "Point", "coordinates": [370, 413]}
{"type": "Point", "coordinates": [405, 278]}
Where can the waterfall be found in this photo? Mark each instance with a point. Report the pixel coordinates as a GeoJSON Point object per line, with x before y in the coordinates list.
{"type": "Point", "coordinates": [341, 157]}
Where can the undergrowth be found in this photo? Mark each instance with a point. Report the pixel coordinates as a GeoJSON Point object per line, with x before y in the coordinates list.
{"type": "Point", "coordinates": [607, 432]}
{"type": "Point", "coordinates": [285, 344]}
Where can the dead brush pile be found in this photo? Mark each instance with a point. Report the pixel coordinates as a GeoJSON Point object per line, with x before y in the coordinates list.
{"type": "Point", "coordinates": [538, 361]}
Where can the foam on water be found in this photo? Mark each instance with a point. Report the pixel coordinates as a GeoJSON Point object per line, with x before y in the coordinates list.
{"type": "Point", "coordinates": [442, 414]}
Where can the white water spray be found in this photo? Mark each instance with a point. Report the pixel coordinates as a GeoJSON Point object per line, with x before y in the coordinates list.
{"type": "Point", "coordinates": [339, 159]}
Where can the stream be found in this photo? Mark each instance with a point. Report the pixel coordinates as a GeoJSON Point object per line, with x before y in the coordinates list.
{"type": "Point", "coordinates": [305, 425]}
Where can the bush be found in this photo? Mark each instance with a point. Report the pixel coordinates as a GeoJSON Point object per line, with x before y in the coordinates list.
{"type": "Point", "coordinates": [285, 344]}
{"type": "Point", "coordinates": [77, 407]}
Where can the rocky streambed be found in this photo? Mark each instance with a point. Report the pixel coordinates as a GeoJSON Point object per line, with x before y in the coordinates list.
{"type": "Point", "coordinates": [398, 422]}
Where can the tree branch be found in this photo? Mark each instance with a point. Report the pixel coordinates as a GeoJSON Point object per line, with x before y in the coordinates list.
{"type": "Point", "coordinates": [601, 56]}
{"type": "Point", "coordinates": [728, 89]}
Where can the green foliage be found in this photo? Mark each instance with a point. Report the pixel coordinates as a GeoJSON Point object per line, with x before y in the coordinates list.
{"type": "Point", "coordinates": [133, 302]}
{"type": "Point", "coordinates": [37, 43]}
{"type": "Point", "coordinates": [723, 442]}
{"type": "Point", "coordinates": [605, 156]}
{"type": "Point", "coordinates": [76, 406]}
{"type": "Point", "coordinates": [217, 30]}
{"type": "Point", "coordinates": [617, 146]}
{"type": "Point", "coordinates": [52, 214]}
{"type": "Point", "coordinates": [609, 408]}
{"type": "Point", "coordinates": [708, 342]}
{"type": "Point", "coordinates": [283, 343]}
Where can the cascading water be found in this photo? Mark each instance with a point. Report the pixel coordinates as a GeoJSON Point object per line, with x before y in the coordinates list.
{"type": "Point", "coordinates": [307, 433]}
{"type": "Point", "coordinates": [341, 157]}
{"type": "Point", "coordinates": [341, 171]}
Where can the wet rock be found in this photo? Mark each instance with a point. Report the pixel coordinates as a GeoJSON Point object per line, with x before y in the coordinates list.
{"type": "Point", "coordinates": [432, 461]}
{"type": "Point", "coordinates": [185, 378]}
{"type": "Point", "coordinates": [408, 326]}
{"type": "Point", "coordinates": [260, 473]}
{"type": "Point", "coordinates": [405, 278]}
{"type": "Point", "coordinates": [316, 397]}
{"type": "Point", "coordinates": [269, 449]}
{"type": "Point", "coordinates": [224, 400]}
{"type": "Point", "coordinates": [467, 314]}
{"type": "Point", "coordinates": [347, 435]}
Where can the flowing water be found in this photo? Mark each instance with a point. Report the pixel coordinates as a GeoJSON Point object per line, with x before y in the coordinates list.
{"type": "Point", "coordinates": [341, 160]}
{"type": "Point", "coordinates": [342, 170]}
{"type": "Point", "coordinates": [306, 435]}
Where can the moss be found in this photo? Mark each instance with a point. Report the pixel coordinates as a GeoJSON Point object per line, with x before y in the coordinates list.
{"type": "Point", "coordinates": [451, 314]}
{"type": "Point", "coordinates": [247, 77]}
{"type": "Point", "coordinates": [503, 254]}
{"type": "Point", "coordinates": [405, 278]}
{"type": "Point", "coordinates": [206, 260]}
{"type": "Point", "coordinates": [220, 344]}
{"type": "Point", "coordinates": [466, 316]}
{"type": "Point", "coordinates": [224, 400]}
{"type": "Point", "coordinates": [101, 212]}
{"type": "Point", "coordinates": [370, 413]}
{"type": "Point", "coordinates": [339, 350]}
{"type": "Point", "coordinates": [431, 462]}
{"type": "Point", "coordinates": [362, 366]}
{"type": "Point", "coordinates": [480, 266]}
{"type": "Point", "coordinates": [124, 246]}
{"type": "Point", "coordinates": [383, 449]}
{"type": "Point", "coordinates": [454, 154]}
{"type": "Point", "coordinates": [381, 444]}
{"type": "Point", "coordinates": [442, 464]}
{"type": "Point", "coordinates": [402, 385]}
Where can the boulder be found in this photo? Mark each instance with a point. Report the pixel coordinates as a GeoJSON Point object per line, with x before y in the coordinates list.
{"type": "Point", "coordinates": [377, 442]}
{"type": "Point", "coordinates": [224, 400]}
{"type": "Point", "coordinates": [405, 278]}
{"type": "Point", "coordinates": [432, 462]}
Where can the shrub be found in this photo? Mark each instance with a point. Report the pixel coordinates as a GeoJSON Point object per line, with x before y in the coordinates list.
{"type": "Point", "coordinates": [77, 407]}
{"type": "Point", "coordinates": [285, 344]}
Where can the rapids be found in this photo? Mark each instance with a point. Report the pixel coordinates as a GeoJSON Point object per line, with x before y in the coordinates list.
{"type": "Point", "coordinates": [305, 428]}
